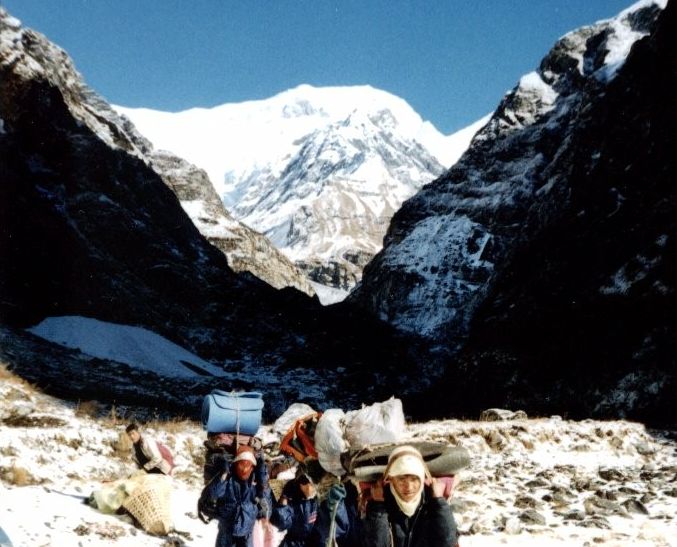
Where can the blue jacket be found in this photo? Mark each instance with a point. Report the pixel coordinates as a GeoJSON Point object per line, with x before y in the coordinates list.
{"type": "Point", "coordinates": [298, 518]}
{"type": "Point", "coordinates": [345, 515]}
{"type": "Point", "coordinates": [310, 525]}
{"type": "Point", "coordinates": [237, 503]}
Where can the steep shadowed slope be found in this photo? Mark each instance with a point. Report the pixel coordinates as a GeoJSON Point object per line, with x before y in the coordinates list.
{"type": "Point", "coordinates": [548, 251]}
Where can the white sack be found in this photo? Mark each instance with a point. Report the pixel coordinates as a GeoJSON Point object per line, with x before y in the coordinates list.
{"type": "Point", "coordinates": [295, 411]}
{"type": "Point", "coordinates": [329, 441]}
{"type": "Point", "coordinates": [376, 424]}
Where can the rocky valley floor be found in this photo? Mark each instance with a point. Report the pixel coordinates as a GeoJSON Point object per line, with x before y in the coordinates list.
{"type": "Point", "coordinates": [531, 482]}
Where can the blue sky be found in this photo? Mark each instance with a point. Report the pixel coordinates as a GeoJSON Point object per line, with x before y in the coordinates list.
{"type": "Point", "coordinates": [451, 60]}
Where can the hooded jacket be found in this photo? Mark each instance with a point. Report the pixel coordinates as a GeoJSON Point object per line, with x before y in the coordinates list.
{"type": "Point", "coordinates": [237, 503]}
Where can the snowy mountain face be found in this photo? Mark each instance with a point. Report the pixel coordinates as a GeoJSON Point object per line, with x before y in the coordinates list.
{"type": "Point", "coordinates": [548, 251]}
{"type": "Point", "coordinates": [94, 225]}
{"type": "Point", "coordinates": [246, 249]}
{"type": "Point", "coordinates": [320, 171]}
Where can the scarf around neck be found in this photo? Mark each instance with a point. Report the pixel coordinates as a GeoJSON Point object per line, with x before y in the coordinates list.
{"type": "Point", "coordinates": [407, 507]}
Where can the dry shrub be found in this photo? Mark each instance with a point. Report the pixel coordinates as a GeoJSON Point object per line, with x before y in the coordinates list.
{"type": "Point", "coordinates": [184, 474]}
{"type": "Point", "coordinates": [35, 421]}
{"type": "Point", "coordinates": [6, 375]}
{"type": "Point", "coordinates": [113, 416]}
{"type": "Point", "coordinates": [197, 453]}
{"type": "Point", "coordinates": [8, 450]}
{"type": "Point", "coordinates": [18, 476]}
{"type": "Point", "coordinates": [75, 443]}
{"type": "Point", "coordinates": [174, 425]}
{"type": "Point", "coordinates": [14, 394]}
{"type": "Point", "coordinates": [88, 409]}
{"type": "Point", "coordinates": [122, 447]}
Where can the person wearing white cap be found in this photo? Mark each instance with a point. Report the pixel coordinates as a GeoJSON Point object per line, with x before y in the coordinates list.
{"type": "Point", "coordinates": [235, 498]}
{"type": "Point", "coordinates": [408, 508]}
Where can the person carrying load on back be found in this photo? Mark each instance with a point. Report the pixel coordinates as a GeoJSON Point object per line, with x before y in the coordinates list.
{"type": "Point", "coordinates": [237, 497]}
{"type": "Point", "coordinates": [338, 520]}
{"type": "Point", "coordinates": [296, 512]}
{"type": "Point", "coordinates": [148, 453]}
{"type": "Point", "coordinates": [408, 507]}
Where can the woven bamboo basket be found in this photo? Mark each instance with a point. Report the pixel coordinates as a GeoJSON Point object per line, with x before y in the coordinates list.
{"type": "Point", "coordinates": [150, 504]}
{"type": "Point", "coordinates": [276, 485]}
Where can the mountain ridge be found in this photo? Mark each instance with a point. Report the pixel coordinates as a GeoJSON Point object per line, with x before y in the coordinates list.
{"type": "Point", "coordinates": [304, 167]}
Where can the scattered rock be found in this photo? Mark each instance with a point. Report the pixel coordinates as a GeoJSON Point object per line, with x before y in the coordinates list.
{"type": "Point", "coordinates": [536, 483]}
{"type": "Point", "coordinates": [635, 506]}
{"type": "Point", "coordinates": [532, 517]}
{"type": "Point", "coordinates": [611, 474]}
{"type": "Point", "coordinates": [513, 526]}
{"type": "Point", "coordinates": [459, 505]}
{"type": "Point", "coordinates": [500, 414]}
{"type": "Point", "coordinates": [596, 522]}
{"type": "Point", "coordinates": [478, 527]}
{"type": "Point", "coordinates": [559, 500]}
{"type": "Point", "coordinates": [647, 497]}
{"type": "Point", "coordinates": [606, 494]}
{"type": "Point", "coordinates": [629, 490]}
{"type": "Point", "coordinates": [495, 440]}
{"type": "Point", "coordinates": [594, 505]}
{"type": "Point", "coordinates": [575, 515]}
{"type": "Point", "coordinates": [524, 502]}
{"type": "Point", "coordinates": [644, 449]}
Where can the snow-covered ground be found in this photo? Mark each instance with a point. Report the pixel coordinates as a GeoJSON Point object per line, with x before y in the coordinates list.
{"type": "Point", "coordinates": [531, 482]}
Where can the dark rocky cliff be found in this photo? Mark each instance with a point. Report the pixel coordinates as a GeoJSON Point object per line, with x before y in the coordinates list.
{"type": "Point", "coordinates": [546, 258]}
{"type": "Point", "coordinates": [583, 315]}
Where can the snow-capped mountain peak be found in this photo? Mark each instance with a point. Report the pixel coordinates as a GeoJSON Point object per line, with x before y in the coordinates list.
{"type": "Point", "coordinates": [320, 171]}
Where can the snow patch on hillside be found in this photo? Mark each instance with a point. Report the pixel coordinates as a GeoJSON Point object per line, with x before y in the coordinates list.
{"type": "Point", "coordinates": [135, 346]}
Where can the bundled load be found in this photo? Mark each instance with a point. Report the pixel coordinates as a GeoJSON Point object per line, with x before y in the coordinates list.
{"type": "Point", "coordinates": [443, 460]}
{"type": "Point", "coordinates": [150, 504]}
{"type": "Point", "coordinates": [358, 443]}
{"type": "Point", "coordinates": [146, 497]}
{"type": "Point", "coordinates": [231, 419]}
{"type": "Point", "coordinates": [232, 412]}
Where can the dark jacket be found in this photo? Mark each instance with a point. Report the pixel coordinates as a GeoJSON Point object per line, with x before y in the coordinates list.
{"type": "Point", "coordinates": [345, 516]}
{"type": "Point", "coordinates": [298, 517]}
{"type": "Point", "coordinates": [432, 525]}
{"type": "Point", "coordinates": [236, 504]}
{"type": "Point", "coordinates": [147, 456]}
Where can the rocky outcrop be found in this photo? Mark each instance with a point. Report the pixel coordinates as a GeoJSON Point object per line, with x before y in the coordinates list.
{"type": "Point", "coordinates": [551, 243]}
{"type": "Point", "coordinates": [246, 249]}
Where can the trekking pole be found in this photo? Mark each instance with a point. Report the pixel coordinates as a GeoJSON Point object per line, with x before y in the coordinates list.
{"type": "Point", "coordinates": [331, 538]}
{"type": "Point", "coordinates": [335, 499]}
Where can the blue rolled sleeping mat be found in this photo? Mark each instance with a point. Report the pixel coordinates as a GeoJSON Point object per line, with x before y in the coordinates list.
{"type": "Point", "coordinates": [232, 412]}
